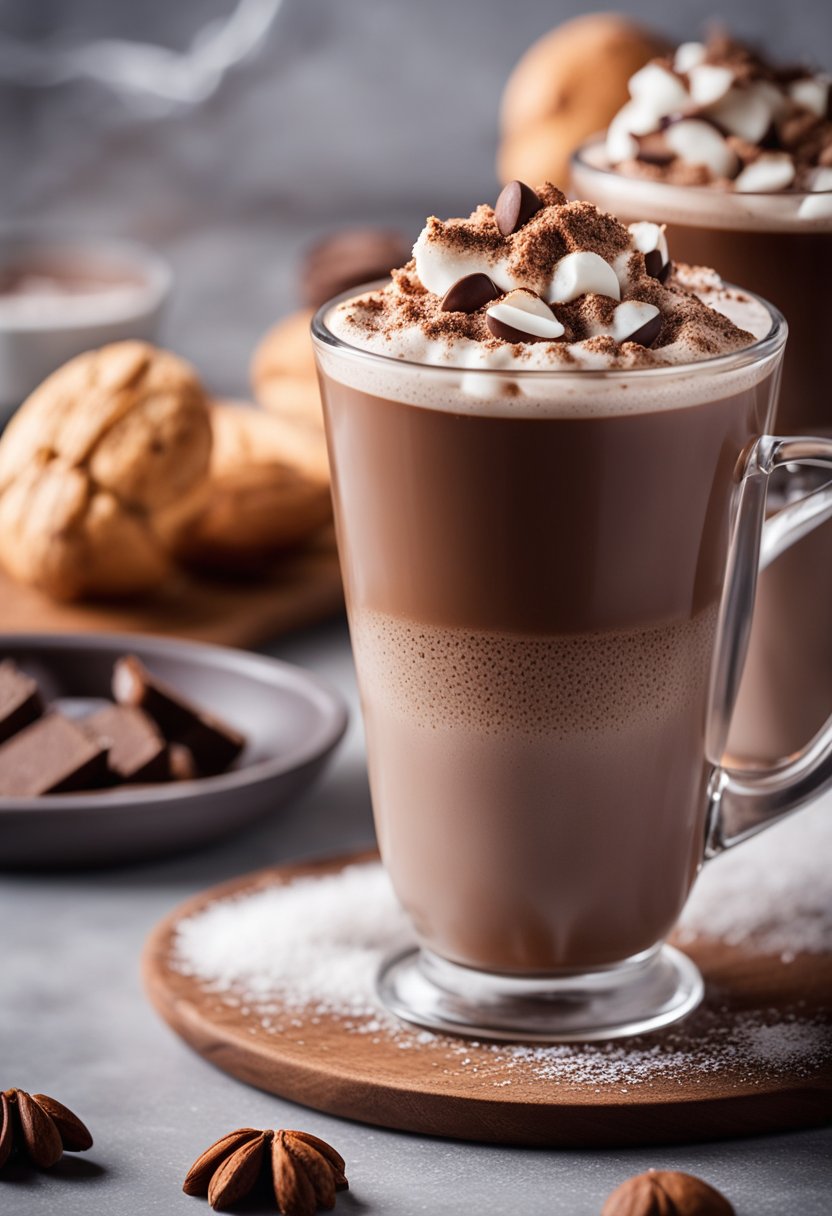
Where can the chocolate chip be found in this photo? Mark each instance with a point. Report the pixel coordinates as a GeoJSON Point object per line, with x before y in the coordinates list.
{"type": "Point", "coordinates": [509, 334]}
{"type": "Point", "coordinates": [647, 333]}
{"type": "Point", "coordinates": [654, 149]}
{"type": "Point", "coordinates": [349, 258]}
{"type": "Point", "coordinates": [470, 293]}
{"type": "Point", "coordinates": [515, 207]}
{"type": "Point", "coordinates": [522, 316]}
{"type": "Point", "coordinates": [655, 267]}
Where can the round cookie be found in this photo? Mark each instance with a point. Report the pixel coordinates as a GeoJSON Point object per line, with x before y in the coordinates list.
{"type": "Point", "coordinates": [100, 469]}
{"type": "Point", "coordinates": [283, 371]}
{"type": "Point", "coordinates": [268, 490]}
{"type": "Point", "coordinates": [573, 80]}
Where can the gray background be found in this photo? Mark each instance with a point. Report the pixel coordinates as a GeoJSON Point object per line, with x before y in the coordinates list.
{"type": "Point", "coordinates": [353, 110]}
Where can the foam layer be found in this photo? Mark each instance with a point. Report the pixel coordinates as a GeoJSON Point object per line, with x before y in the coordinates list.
{"type": "Point", "coordinates": [601, 684]}
{"type": "Point", "coordinates": [497, 388]}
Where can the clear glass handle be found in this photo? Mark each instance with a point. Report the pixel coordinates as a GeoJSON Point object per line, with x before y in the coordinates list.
{"type": "Point", "coordinates": [743, 803]}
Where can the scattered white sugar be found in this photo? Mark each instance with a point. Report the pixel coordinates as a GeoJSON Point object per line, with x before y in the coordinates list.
{"type": "Point", "coordinates": [285, 955]}
{"type": "Point", "coordinates": [772, 894]}
{"type": "Point", "coordinates": [315, 943]}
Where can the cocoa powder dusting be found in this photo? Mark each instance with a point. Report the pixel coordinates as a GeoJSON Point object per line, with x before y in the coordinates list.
{"type": "Point", "coordinates": [530, 255]}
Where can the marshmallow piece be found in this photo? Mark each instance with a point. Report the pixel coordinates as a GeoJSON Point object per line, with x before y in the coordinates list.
{"type": "Point", "coordinates": [657, 90]}
{"type": "Point", "coordinates": [439, 266]}
{"type": "Point", "coordinates": [581, 272]}
{"type": "Point", "coordinates": [522, 316]}
{"type": "Point", "coordinates": [632, 119]}
{"type": "Point", "coordinates": [709, 83]}
{"type": "Point", "coordinates": [648, 237]}
{"type": "Point", "coordinates": [745, 112]}
{"type": "Point", "coordinates": [621, 145]}
{"type": "Point", "coordinates": [689, 55]}
{"type": "Point", "coordinates": [699, 143]}
{"type": "Point", "coordinates": [770, 172]}
{"type": "Point", "coordinates": [631, 317]}
{"type": "Point", "coordinates": [818, 204]}
{"type": "Point", "coordinates": [812, 94]}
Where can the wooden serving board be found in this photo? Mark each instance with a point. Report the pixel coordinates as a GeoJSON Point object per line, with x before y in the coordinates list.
{"type": "Point", "coordinates": [453, 1087]}
{"type": "Point", "coordinates": [303, 587]}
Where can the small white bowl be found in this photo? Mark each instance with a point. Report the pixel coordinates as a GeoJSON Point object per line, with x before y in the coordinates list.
{"type": "Point", "coordinates": [59, 297]}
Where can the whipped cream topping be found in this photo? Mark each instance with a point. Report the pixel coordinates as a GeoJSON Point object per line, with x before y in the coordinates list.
{"type": "Point", "coordinates": [717, 114]}
{"type": "Point", "coordinates": [569, 287]}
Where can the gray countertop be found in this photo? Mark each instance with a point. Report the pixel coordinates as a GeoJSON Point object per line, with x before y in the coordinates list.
{"type": "Point", "coordinates": [74, 1022]}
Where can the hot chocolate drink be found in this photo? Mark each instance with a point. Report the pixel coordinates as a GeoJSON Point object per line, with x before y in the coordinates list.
{"type": "Point", "coordinates": [533, 505]}
{"type": "Point", "coordinates": [734, 156]}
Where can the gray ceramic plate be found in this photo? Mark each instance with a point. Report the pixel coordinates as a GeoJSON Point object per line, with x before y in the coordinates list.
{"type": "Point", "coordinates": [292, 722]}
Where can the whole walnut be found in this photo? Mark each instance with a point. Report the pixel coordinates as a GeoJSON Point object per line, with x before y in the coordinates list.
{"type": "Point", "coordinates": [100, 469]}
{"type": "Point", "coordinates": [269, 490]}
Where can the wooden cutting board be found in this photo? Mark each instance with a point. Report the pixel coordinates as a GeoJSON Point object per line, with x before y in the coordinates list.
{"type": "Point", "coordinates": [713, 1088]}
{"type": "Point", "coordinates": [303, 587]}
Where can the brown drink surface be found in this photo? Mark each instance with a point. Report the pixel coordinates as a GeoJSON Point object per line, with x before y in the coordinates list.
{"type": "Point", "coordinates": [533, 608]}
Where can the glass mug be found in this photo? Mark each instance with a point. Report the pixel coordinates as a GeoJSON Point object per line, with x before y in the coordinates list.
{"type": "Point", "coordinates": [549, 579]}
{"type": "Point", "coordinates": [779, 245]}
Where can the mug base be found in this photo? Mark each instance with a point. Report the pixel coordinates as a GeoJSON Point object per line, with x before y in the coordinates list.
{"type": "Point", "coordinates": [635, 997]}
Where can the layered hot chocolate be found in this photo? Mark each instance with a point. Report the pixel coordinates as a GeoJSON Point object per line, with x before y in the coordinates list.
{"type": "Point", "coordinates": [734, 153]}
{"type": "Point", "coordinates": [535, 428]}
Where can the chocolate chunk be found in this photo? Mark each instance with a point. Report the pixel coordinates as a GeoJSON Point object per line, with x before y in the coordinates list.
{"type": "Point", "coordinates": [137, 751]}
{"type": "Point", "coordinates": [470, 293]}
{"type": "Point", "coordinates": [515, 206]}
{"type": "Point", "coordinates": [20, 701]}
{"type": "Point", "coordinates": [52, 756]}
{"type": "Point", "coordinates": [655, 266]}
{"type": "Point", "coordinates": [214, 744]}
{"type": "Point", "coordinates": [647, 333]}
{"type": "Point", "coordinates": [654, 149]}
{"type": "Point", "coordinates": [348, 259]}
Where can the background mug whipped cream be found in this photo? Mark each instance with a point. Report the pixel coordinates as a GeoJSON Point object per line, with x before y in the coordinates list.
{"type": "Point", "coordinates": [763, 215]}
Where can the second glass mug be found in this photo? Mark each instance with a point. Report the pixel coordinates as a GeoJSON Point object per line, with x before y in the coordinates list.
{"type": "Point", "coordinates": [549, 580]}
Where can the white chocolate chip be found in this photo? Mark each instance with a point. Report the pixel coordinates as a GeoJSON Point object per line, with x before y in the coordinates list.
{"type": "Point", "coordinates": [811, 93]}
{"type": "Point", "coordinates": [689, 55]}
{"type": "Point", "coordinates": [746, 113]}
{"type": "Point", "coordinates": [526, 312]}
{"type": "Point", "coordinates": [709, 83]}
{"type": "Point", "coordinates": [647, 237]}
{"type": "Point", "coordinates": [770, 172]}
{"type": "Point", "coordinates": [629, 317]}
{"type": "Point", "coordinates": [657, 90]}
{"type": "Point", "coordinates": [699, 143]}
{"type": "Point", "coordinates": [582, 272]}
{"type": "Point", "coordinates": [818, 204]}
